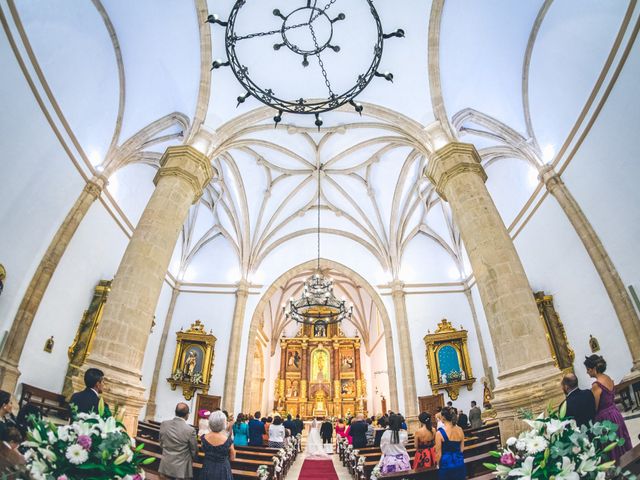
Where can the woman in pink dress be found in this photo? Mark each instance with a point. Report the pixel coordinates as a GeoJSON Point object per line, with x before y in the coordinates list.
{"type": "Point", "coordinates": [604, 393]}
{"type": "Point", "coordinates": [347, 433]}
{"type": "Point", "coordinates": [340, 428]}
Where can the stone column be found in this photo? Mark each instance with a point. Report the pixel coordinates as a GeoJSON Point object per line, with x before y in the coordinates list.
{"type": "Point", "coordinates": [121, 338]}
{"type": "Point", "coordinates": [486, 368]}
{"type": "Point", "coordinates": [406, 353]}
{"type": "Point", "coordinates": [151, 405]}
{"type": "Point", "coordinates": [526, 372]}
{"type": "Point", "coordinates": [616, 290]}
{"type": "Point", "coordinates": [12, 351]}
{"type": "Point", "coordinates": [233, 355]}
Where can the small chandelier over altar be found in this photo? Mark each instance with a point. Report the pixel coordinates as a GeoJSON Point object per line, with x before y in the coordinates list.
{"type": "Point", "coordinates": [318, 305]}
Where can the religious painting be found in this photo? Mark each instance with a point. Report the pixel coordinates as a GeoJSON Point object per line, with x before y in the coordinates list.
{"type": "Point", "coordinates": [347, 362]}
{"type": "Point", "coordinates": [347, 388]}
{"type": "Point", "coordinates": [319, 329]}
{"type": "Point", "coordinates": [193, 360]}
{"type": "Point", "coordinates": [320, 366]}
{"type": "Point", "coordinates": [293, 359]}
{"type": "Point", "coordinates": [448, 359]}
{"type": "Point", "coordinates": [292, 389]}
{"type": "Point", "coordinates": [562, 353]}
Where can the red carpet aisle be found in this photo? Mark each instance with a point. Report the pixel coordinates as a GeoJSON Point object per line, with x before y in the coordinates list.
{"type": "Point", "coordinates": [318, 470]}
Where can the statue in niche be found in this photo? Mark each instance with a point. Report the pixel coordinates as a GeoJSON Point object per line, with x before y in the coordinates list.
{"type": "Point", "coordinates": [594, 344]}
{"type": "Point", "coordinates": [48, 345]}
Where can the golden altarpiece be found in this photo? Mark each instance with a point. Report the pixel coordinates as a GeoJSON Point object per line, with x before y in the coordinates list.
{"type": "Point", "coordinates": [320, 374]}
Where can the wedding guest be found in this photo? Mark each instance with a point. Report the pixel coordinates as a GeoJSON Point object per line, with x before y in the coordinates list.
{"type": "Point", "coordinates": [88, 399]}
{"type": "Point", "coordinates": [347, 432]}
{"type": "Point", "coordinates": [218, 449]}
{"type": "Point", "coordinates": [383, 423]}
{"type": "Point", "coordinates": [604, 393]}
{"type": "Point", "coordinates": [256, 430]}
{"type": "Point", "coordinates": [288, 425]}
{"type": "Point", "coordinates": [11, 460]}
{"type": "Point", "coordinates": [298, 425]}
{"type": "Point", "coordinates": [475, 415]}
{"type": "Point", "coordinates": [179, 445]}
{"type": "Point", "coordinates": [340, 429]}
{"type": "Point", "coordinates": [203, 423]}
{"type": "Point", "coordinates": [449, 448]}
{"type": "Point", "coordinates": [358, 431]}
{"type": "Point", "coordinates": [394, 453]}
{"type": "Point", "coordinates": [240, 432]}
{"type": "Point", "coordinates": [425, 443]}
{"type": "Point", "coordinates": [267, 423]}
{"type": "Point", "coordinates": [463, 420]}
{"type": "Point", "coordinates": [7, 419]}
{"type": "Point", "coordinates": [276, 433]}
{"type": "Point", "coordinates": [581, 405]}
{"type": "Point", "coordinates": [371, 432]}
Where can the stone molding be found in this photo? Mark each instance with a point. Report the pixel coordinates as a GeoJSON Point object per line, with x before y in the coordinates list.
{"type": "Point", "coordinates": [189, 164]}
{"type": "Point", "coordinates": [451, 160]}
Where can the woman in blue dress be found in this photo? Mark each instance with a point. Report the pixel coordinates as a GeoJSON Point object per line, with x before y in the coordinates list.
{"type": "Point", "coordinates": [240, 432]}
{"type": "Point", "coordinates": [449, 448]}
{"type": "Point", "coordinates": [218, 450]}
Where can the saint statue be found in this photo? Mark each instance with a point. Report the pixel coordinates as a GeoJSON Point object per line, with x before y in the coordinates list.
{"type": "Point", "coordinates": [190, 364]}
{"type": "Point", "coordinates": [443, 378]}
{"type": "Point", "coordinates": [594, 344]}
{"type": "Point", "coordinates": [320, 364]}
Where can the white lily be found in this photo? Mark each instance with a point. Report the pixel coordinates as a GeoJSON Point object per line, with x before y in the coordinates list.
{"type": "Point", "coordinates": [525, 471]}
{"type": "Point", "coordinates": [567, 470]}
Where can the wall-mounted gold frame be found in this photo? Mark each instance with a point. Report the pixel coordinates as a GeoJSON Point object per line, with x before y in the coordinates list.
{"type": "Point", "coordinates": [193, 360]}
{"type": "Point", "coordinates": [562, 353]}
{"type": "Point", "coordinates": [448, 345]}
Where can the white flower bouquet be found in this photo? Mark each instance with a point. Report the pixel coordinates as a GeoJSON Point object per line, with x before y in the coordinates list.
{"type": "Point", "coordinates": [556, 448]}
{"type": "Point", "coordinates": [263, 472]}
{"type": "Point", "coordinates": [93, 447]}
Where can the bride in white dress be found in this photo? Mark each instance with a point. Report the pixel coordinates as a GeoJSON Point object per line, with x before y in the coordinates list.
{"type": "Point", "coordinates": [315, 448]}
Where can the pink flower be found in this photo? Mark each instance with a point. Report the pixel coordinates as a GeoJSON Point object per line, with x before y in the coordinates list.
{"type": "Point", "coordinates": [508, 459]}
{"type": "Point", "coordinates": [85, 442]}
{"type": "Point", "coordinates": [63, 477]}
{"type": "Point", "coordinates": [137, 476]}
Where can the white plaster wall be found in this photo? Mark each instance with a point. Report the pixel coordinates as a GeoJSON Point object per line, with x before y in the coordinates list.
{"type": "Point", "coordinates": [93, 254]}
{"type": "Point", "coordinates": [216, 312]}
{"type": "Point", "coordinates": [379, 381]}
{"type": "Point", "coordinates": [39, 185]}
{"type": "Point", "coordinates": [424, 312]}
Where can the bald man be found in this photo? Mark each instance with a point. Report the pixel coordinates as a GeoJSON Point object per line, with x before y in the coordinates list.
{"type": "Point", "coordinates": [581, 404]}
{"type": "Point", "coordinates": [179, 446]}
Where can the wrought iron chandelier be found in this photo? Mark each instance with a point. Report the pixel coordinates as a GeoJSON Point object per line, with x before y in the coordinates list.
{"type": "Point", "coordinates": [317, 304]}
{"type": "Point", "coordinates": [306, 31]}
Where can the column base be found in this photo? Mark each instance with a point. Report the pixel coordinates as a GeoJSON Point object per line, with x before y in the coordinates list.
{"type": "Point", "coordinates": [633, 374]}
{"type": "Point", "coordinates": [9, 375]}
{"type": "Point", "coordinates": [533, 388]}
{"type": "Point", "coordinates": [150, 413]}
{"type": "Point", "coordinates": [123, 392]}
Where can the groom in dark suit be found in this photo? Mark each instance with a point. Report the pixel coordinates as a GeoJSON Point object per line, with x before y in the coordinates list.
{"type": "Point", "coordinates": [581, 404]}
{"type": "Point", "coordinates": [88, 399]}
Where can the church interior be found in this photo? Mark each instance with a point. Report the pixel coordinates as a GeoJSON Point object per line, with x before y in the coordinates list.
{"type": "Point", "coordinates": [413, 203]}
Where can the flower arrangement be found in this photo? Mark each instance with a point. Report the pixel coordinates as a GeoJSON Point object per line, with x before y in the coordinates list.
{"type": "Point", "coordinates": [263, 472]}
{"type": "Point", "coordinates": [375, 473]}
{"type": "Point", "coordinates": [93, 447]}
{"type": "Point", "coordinates": [454, 376]}
{"type": "Point", "coordinates": [556, 447]}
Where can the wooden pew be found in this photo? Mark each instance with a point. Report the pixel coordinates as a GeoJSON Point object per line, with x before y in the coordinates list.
{"type": "Point", "coordinates": [152, 469]}
{"type": "Point", "coordinates": [475, 469]}
{"type": "Point", "coordinates": [49, 403]}
{"type": "Point", "coordinates": [631, 460]}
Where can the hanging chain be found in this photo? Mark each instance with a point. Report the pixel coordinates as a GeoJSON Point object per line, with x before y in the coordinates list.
{"type": "Point", "coordinates": [324, 72]}
{"type": "Point", "coordinates": [319, 167]}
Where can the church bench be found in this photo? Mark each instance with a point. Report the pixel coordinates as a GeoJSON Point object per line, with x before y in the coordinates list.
{"type": "Point", "coordinates": [475, 469]}
{"type": "Point", "coordinates": [631, 460]}
{"type": "Point", "coordinates": [49, 403]}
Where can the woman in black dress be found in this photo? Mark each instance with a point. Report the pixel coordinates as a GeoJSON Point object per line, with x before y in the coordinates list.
{"type": "Point", "coordinates": [218, 450]}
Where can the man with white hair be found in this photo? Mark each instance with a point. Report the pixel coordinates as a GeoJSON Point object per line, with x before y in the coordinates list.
{"type": "Point", "coordinates": [179, 446]}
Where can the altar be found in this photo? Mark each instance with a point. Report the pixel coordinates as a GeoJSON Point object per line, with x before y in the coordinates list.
{"type": "Point", "coordinates": [320, 374]}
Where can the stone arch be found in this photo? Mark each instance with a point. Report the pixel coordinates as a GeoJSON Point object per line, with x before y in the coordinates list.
{"type": "Point", "coordinates": [281, 281]}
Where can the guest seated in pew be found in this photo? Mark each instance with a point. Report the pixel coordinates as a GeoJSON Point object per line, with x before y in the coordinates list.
{"type": "Point", "coordinates": [240, 431]}
{"type": "Point", "coordinates": [218, 450]}
{"type": "Point", "coordinates": [276, 433]}
{"type": "Point", "coordinates": [394, 453]}
{"type": "Point", "coordinates": [463, 420]}
{"type": "Point", "coordinates": [449, 448]}
{"type": "Point", "coordinates": [256, 430]}
{"type": "Point", "coordinates": [179, 445]}
{"type": "Point", "coordinates": [425, 442]}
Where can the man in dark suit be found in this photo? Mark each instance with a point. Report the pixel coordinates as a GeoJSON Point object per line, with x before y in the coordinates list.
{"type": "Point", "coordinates": [299, 426]}
{"type": "Point", "coordinates": [88, 399]}
{"type": "Point", "coordinates": [326, 432]}
{"type": "Point", "coordinates": [581, 404]}
{"type": "Point", "coordinates": [463, 420]}
{"type": "Point", "coordinates": [256, 430]}
{"type": "Point", "coordinates": [179, 445]}
{"type": "Point", "coordinates": [358, 431]}
{"type": "Point", "coordinates": [288, 424]}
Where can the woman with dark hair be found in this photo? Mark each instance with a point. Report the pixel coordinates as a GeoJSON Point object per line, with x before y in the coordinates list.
{"type": "Point", "coordinates": [394, 453]}
{"type": "Point", "coordinates": [425, 441]}
{"type": "Point", "coordinates": [7, 419]}
{"type": "Point", "coordinates": [603, 392]}
{"type": "Point", "coordinates": [240, 431]}
{"type": "Point", "coordinates": [449, 448]}
{"type": "Point", "coordinates": [276, 433]}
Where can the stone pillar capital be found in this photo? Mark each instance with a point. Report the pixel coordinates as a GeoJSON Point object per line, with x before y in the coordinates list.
{"type": "Point", "coordinates": [95, 186]}
{"type": "Point", "coordinates": [551, 179]}
{"type": "Point", "coordinates": [189, 164]}
{"type": "Point", "coordinates": [451, 160]}
{"type": "Point", "coordinates": [397, 288]}
{"type": "Point", "coordinates": [243, 288]}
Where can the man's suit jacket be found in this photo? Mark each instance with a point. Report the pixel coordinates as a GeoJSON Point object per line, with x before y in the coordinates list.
{"type": "Point", "coordinates": [87, 401]}
{"type": "Point", "coordinates": [288, 424]}
{"type": "Point", "coordinates": [326, 431]}
{"type": "Point", "coordinates": [256, 430]}
{"type": "Point", "coordinates": [581, 405]}
{"type": "Point", "coordinates": [463, 421]}
{"type": "Point", "coordinates": [299, 426]}
{"type": "Point", "coordinates": [179, 448]}
{"type": "Point", "coordinates": [358, 432]}
{"type": "Point", "coordinates": [475, 417]}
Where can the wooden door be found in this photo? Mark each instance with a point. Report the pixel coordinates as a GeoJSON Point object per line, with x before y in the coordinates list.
{"type": "Point", "coordinates": [430, 403]}
{"type": "Point", "coordinates": [205, 402]}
